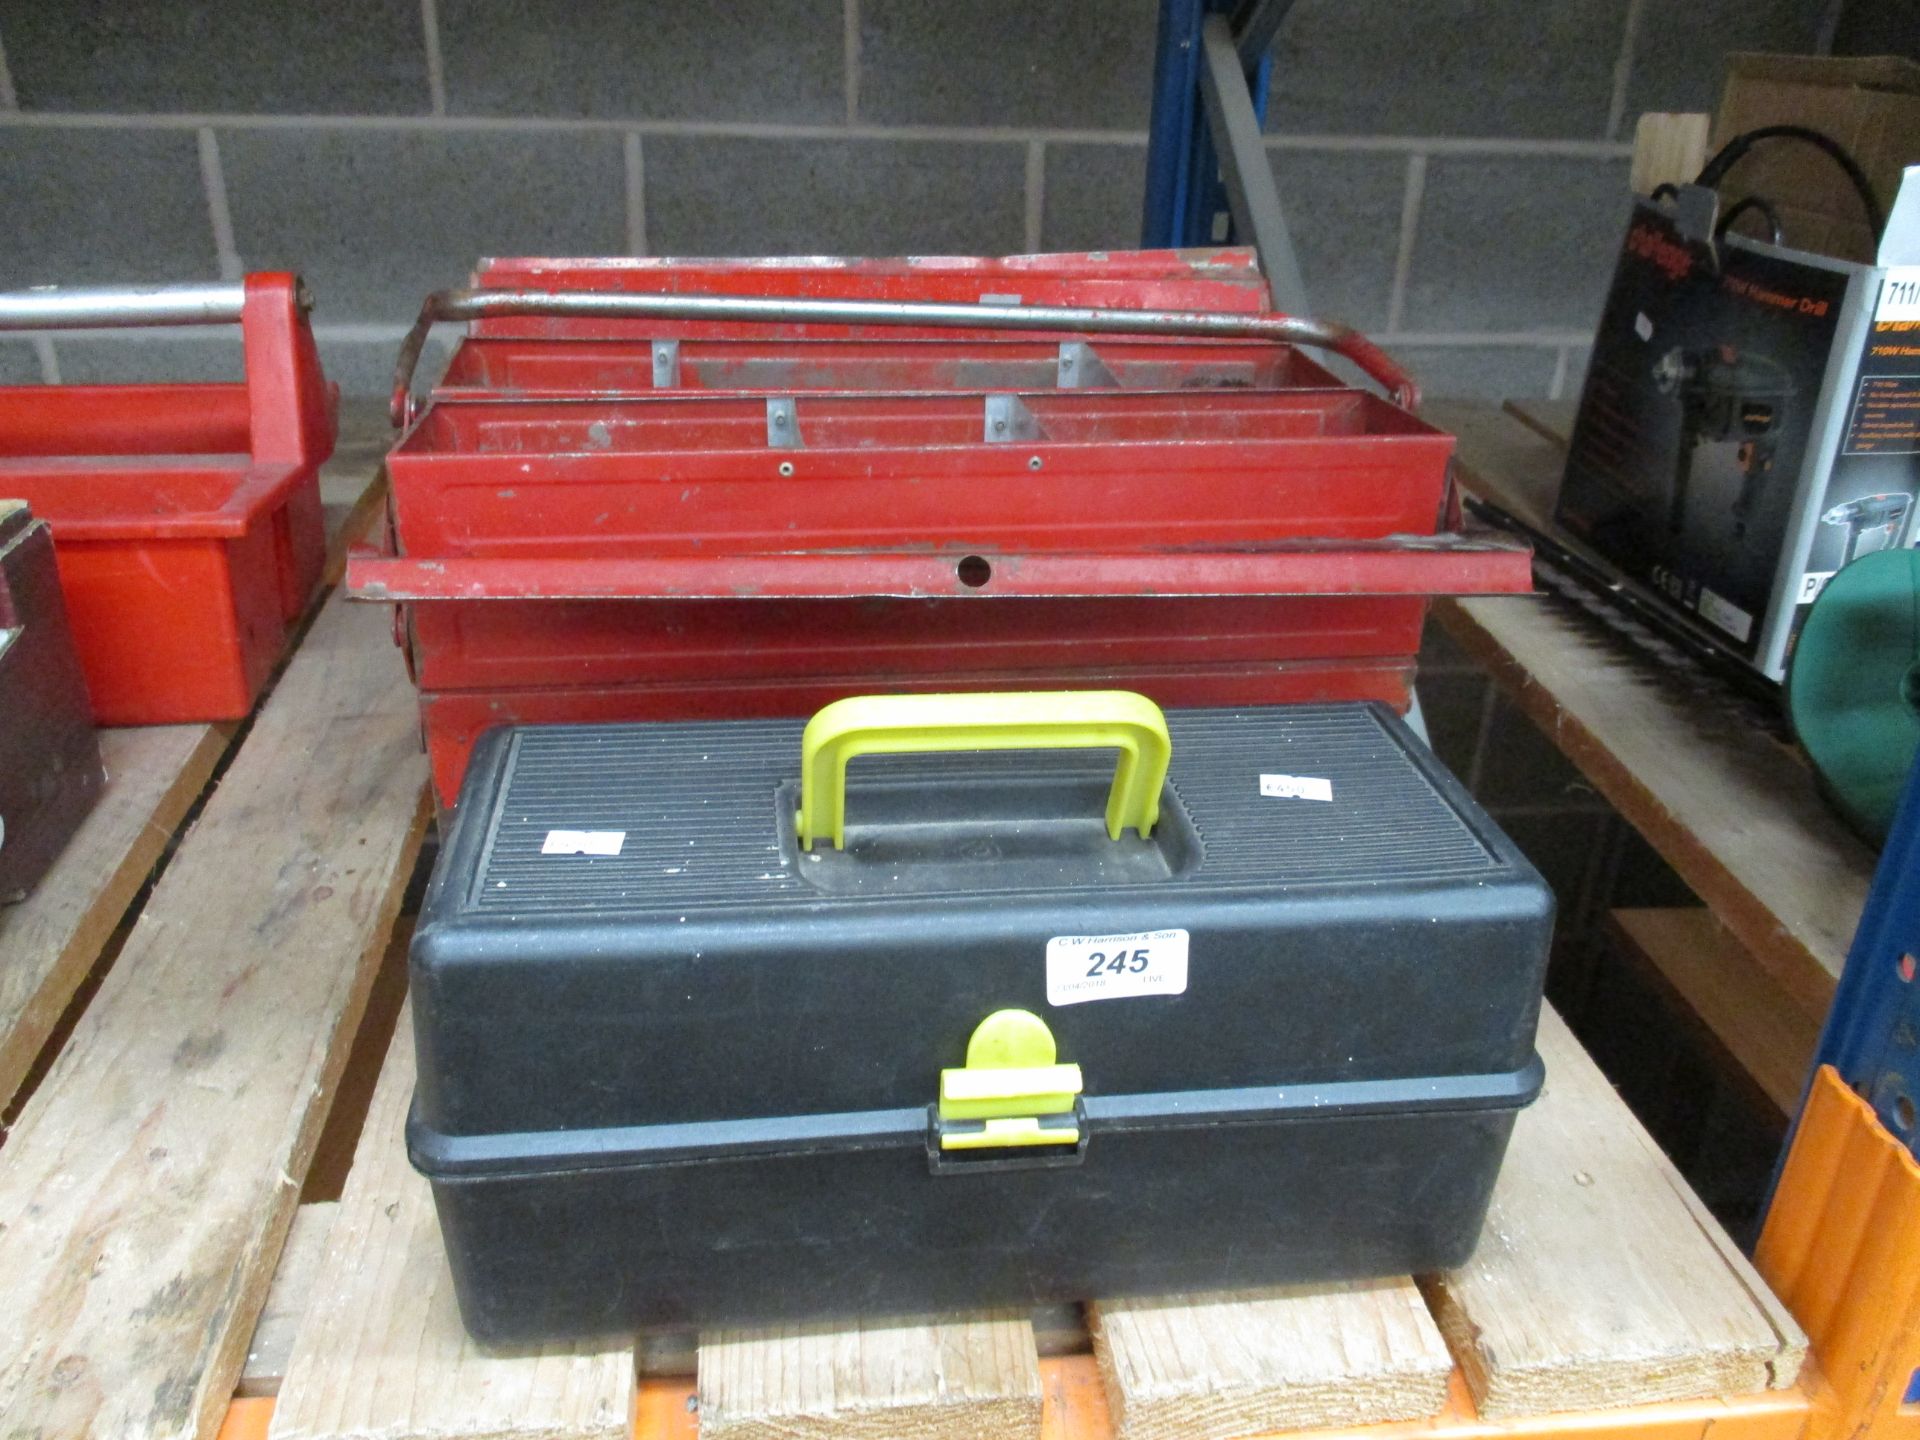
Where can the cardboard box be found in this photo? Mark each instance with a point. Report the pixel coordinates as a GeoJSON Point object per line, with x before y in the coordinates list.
{"type": "Point", "coordinates": [1750, 420]}
{"type": "Point", "coordinates": [1871, 106]}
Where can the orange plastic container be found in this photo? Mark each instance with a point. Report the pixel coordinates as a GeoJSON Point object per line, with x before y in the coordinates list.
{"type": "Point", "coordinates": [186, 518]}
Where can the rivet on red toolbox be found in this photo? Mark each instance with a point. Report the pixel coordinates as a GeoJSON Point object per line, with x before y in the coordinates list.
{"type": "Point", "coordinates": [666, 490]}
{"type": "Point", "coordinates": [186, 518]}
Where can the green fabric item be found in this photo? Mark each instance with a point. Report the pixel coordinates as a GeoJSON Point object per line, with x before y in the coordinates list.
{"type": "Point", "coordinates": [1854, 688]}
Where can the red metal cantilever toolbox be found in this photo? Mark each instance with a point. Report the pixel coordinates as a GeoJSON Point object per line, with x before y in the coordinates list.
{"type": "Point", "coordinates": [186, 518]}
{"type": "Point", "coordinates": [570, 544]}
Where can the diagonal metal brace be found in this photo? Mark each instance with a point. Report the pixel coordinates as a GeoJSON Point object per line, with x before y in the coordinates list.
{"type": "Point", "coordinates": [1251, 194]}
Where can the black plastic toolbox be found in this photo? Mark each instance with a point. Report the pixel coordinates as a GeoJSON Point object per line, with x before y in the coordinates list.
{"type": "Point", "coordinates": [676, 1070]}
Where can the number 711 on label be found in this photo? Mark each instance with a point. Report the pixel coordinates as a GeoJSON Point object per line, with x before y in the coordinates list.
{"type": "Point", "coordinates": [1114, 967]}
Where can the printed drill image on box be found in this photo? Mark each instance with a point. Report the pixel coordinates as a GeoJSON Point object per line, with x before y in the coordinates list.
{"type": "Point", "coordinates": [1750, 421]}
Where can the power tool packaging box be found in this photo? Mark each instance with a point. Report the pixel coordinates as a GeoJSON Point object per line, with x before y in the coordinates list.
{"type": "Point", "coordinates": [1750, 421]}
{"type": "Point", "coordinates": [714, 1028]}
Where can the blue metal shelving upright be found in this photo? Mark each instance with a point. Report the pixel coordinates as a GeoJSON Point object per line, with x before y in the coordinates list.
{"type": "Point", "coordinates": [1208, 180]}
{"type": "Point", "coordinates": [1872, 1035]}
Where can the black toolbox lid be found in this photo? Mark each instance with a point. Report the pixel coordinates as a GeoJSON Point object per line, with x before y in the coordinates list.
{"type": "Point", "coordinates": [712, 971]}
{"type": "Point", "coordinates": [706, 821]}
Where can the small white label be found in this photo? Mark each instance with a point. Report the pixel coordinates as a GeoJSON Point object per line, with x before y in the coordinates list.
{"type": "Point", "coordinates": [584, 842]}
{"type": "Point", "coordinates": [1811, 584]}
{"type": "Point", "coordinates": [1113, 967]}
{"type": "Point", "coordinates": [1899, 295]}
{"type": "Point", "coordinates": [1642, 326]}
{"type": "Point", "coordinates": [1297, 787]}
{"type": "Point", "coordinates": [1723, 612]}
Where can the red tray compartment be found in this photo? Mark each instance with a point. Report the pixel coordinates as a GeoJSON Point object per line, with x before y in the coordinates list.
{"type": "Point", "coordinates": [186, 518]}
{"type": "Point", "coordinates": [517, 368]}
{"type": "Point", "coordinates": [546, 640]}
{"type": "Point", "coordinates": [1107, 471]}
{"type": "Point", "coordinates": [505, 645]}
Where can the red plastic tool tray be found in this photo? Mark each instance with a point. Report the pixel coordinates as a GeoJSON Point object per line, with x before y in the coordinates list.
{"type": "Point", "coordinates": [186, 518]}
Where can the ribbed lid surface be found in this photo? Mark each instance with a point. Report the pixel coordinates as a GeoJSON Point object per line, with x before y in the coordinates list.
{"type": "Point", "coordinates": [699, 804]}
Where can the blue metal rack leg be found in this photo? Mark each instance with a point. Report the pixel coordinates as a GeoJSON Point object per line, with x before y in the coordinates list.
{"type": "Point", "coordinates": [1872, 1035]}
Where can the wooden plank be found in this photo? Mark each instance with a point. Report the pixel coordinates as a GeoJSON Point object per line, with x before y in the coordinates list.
{"type": "Point", "coordinates": [967, 1376]}
{"type": "Point", "coordinates": [150, 1180]}
{"type": "Point", "coordinates": [382, 1354]}
{"type": "Point", "coordinates": [1550, 419]}
{"type": "Point", "coordinates": [1757, 1024]}
{"type": "Point", "coordinates": [50, 940]}
{"type": "Point", "coordinates": [1075, 1408]}
{"type": "Point", "coordinates": [1668, 149]}
{"type": "Point", "coordinates": [349, 524]}
{"type": "Point", "coordinates": [294, 1280]}
{"type": "Point", "coordinates": [1726, 806]}
{"type": "Point", "coordinates": [1301, 1357]}
{"type": "Point", "coordinates": [1058, 1329]}
{"type": "Point", "coordinates": [353, 482]}
{"type": "Point", "coordinates": [1599, 1282]}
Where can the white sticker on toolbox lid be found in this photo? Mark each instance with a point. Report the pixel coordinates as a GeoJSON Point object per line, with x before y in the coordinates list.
{"type": "Point", "coordinates": [584, 842]}
{"type": "Point", "coordinates": [1115, 967]}
{"type": "Point", "coordinates": [1297, 787]}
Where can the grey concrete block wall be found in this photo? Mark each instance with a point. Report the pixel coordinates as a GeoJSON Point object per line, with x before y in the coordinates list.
{"type": "Point", "coordinates": [1454, 169]}
{"type": "Point", "coordinates": [375, 218]}
{"type": "Point", "coordinates": [739, 195]}
{"type": "Point", "coordinates": [773, 62]}
{"type": "Point", "coordinates": [1507, 69]}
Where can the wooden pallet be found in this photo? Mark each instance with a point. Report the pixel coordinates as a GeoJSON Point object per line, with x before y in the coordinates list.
{"type": "Point", "coordinates": [154, 1263]}
{"type": "Point", "coordinates": [1600, 1283]}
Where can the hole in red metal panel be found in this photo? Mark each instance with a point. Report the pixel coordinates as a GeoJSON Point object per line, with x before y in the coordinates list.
{"type": "Point", "coordinates": [974, 571]}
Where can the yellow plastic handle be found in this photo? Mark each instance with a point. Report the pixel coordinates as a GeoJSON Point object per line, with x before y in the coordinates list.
{"type": "Point", "coordinates": [1042, 720]}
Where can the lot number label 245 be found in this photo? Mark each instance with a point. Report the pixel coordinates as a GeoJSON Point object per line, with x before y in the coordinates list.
{"type": "Point", "coordinates": [1113, 967]}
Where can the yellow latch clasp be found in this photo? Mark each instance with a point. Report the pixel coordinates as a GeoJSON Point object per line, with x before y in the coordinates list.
{"type": "Point", "coordinates": [1011, 1092]}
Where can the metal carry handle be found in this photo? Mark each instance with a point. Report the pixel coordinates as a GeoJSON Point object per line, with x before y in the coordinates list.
{"type": "Point", "coordinates": [931, 724]}
{"type": "Point", "coordinates": [289, 405]}
{"type": "Point", "coordinates": [118, 307]}
{"type": "Point", "coordinates": [479, 304]}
